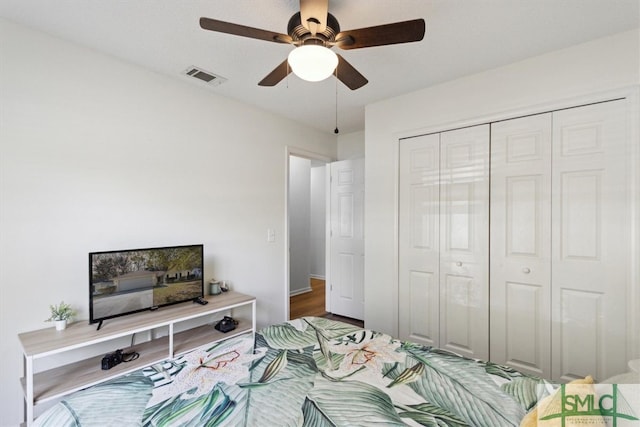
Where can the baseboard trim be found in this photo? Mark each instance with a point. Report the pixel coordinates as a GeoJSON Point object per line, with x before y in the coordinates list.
{"type": "Point", "coordinates": [300, 291]}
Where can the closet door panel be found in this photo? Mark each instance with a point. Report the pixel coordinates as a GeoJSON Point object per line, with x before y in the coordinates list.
{"type": "Point", "coordinates": [419, 241]}
{"type": "Point", "coordinates": [421, 321]}
{"type": "Point", "coordinates": [525, 349]}
{"type": "Point", "coordinates": [464, 222]}
{"type": "Point", "coordinates": [583, 334]}
{"type": "Point", "coordinates": [457, 314]}
{"type": "Point", "coordinates": [521, 244]}
{"type": "Point", "coordinates": [591, 231]}
{"type": "Point", "coordinates": [580, 221]}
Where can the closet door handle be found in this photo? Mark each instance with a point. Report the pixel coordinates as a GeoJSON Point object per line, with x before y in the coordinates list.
{"type": "Point", "coordinates": [526, 270]}
{"type": "Point", "coordinates": [459, 263]}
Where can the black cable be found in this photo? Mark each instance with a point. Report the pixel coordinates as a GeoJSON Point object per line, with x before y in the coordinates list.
{"type": "Point", "coordinates": [336, 131]}
{"type": "Point", "coordinates": [130, 357]}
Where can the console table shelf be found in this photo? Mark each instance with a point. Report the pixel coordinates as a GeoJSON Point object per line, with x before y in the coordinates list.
{"type": "Point", "coordinates": [53, 383]}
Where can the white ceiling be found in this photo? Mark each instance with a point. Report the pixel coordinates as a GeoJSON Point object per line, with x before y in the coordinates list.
{"type": "Point", "coordinates": [462, 37]}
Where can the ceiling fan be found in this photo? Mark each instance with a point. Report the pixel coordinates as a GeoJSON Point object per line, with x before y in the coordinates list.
{"type": "Point", "coordinates": [315, 29]}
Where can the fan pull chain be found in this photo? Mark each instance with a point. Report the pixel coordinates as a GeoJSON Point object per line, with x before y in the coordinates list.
{"type": "Point", "coordinates": [336, 131]}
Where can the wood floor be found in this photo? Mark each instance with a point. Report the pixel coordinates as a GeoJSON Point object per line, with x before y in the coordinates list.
{"type": "Point", "coordinates": [313, 304]}
{"type": "Point", "coordinates": [309, 303]}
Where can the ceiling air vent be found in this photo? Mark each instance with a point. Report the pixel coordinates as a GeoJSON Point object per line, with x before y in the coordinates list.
{"type": "Point", "coordinates": [205, 76]}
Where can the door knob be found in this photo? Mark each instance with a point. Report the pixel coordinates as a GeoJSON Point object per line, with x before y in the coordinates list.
{"type": "Point", "coordinates": [459, 263]}
{"type": "Point", "coordinates": [526, 270]}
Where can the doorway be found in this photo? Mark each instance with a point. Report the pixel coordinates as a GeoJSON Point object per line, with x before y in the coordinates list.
{"type": "Point", "coordinates": [325, 266]}
{"type": "Point", "coordinates": [306, 233]}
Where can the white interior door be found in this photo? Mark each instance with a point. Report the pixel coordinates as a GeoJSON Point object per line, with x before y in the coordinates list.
{"type": "Point", "coordinates": [419, 240]}
{"type": "Point", "coordinates": [521, 244]}
{"type": "Point", "coordinates": [592, 232]}
{"type": "Point", "coordinates": [464, 241]}
{"type": "Point", "coordinates": [346, 268]}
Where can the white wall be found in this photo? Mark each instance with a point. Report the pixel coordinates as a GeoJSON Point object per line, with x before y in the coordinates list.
{"type": "Point", "coordinates": [318, 213]}
{"type": "Point", "coordinates": [351, 146]}
{"type": "Point", "coordinates": [600, 65]}
{"type": "Point", "coordinates": [299, 224]}
{"type": "Point", "coordinates": [307, 219]}
{"type": "Point", "coordinates": [96, 154]}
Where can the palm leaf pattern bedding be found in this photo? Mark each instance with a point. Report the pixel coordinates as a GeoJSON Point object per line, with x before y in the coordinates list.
{"type": "Point", "coordinates": [307, 372]}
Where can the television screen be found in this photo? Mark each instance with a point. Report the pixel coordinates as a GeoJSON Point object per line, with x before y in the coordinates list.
{"type": "Point", "coordinates": [127, 281]}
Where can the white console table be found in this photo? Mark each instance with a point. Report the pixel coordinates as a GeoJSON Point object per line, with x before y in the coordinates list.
{"type": "Point", "coordinates": [49, 384]}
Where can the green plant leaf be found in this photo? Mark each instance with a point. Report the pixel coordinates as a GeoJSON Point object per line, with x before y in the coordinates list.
{"type": "Point", "coordinates": [291, 385]}
{"type": "Point", "coordinates": [274, 367]}
{"type": "Point", "coordinates": [121, 400]}
{"type": "Point", "coordinates": [503, 371]}
{"type": "Point", "coordinates": [428, 414]}
{"type": "Point", "coordinates": [211, 409]}
{"type": "Point", "coordinates": [286, 336]}
{"type": "Point", "coordinates": [408, 375]}
{"type": "Point", "coordinates": [330, 363]}
{"type": "Point", "coordinates": [61, 311]}
{"type": "Point", "coordinates": [525, 390]}
{"type": "Point", "coordinates": [462, 387]}
{"type": "Point", "coordinates": [353, 403]}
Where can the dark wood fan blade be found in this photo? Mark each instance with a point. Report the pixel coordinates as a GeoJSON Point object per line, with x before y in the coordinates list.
{"type": "Point", "coordinates": [274, 77]}
{"type": "Point", "coordinates": [313, 14]}
{"type": "Point", "coordinates": [244, 31]}
{"type": "Point", "coordinates": [381, 35]}
{"type": "Point", "coordinates": [349, 75]}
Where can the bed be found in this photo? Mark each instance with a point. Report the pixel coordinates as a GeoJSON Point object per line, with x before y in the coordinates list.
{"type": "Point", "coordinates": [307, 372]}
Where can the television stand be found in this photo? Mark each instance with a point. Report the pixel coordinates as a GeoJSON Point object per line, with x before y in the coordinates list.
{"type": "Point", "coordinates": [187, 327]}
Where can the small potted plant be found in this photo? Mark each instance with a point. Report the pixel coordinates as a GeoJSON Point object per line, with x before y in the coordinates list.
{"type": "Point", "coordinates": [60, 314]}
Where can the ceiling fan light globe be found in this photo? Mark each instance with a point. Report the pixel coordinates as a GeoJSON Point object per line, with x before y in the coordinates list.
{"type": "Point", "coordinates": [312, 63]}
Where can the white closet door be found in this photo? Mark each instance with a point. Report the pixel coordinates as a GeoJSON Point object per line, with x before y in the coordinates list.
{"type": "Point", "coordinates": [521, 244]}
{"type": "Point", "coordinates": [591, 229]}
{"type": "Point", "coordinates": [464, 241]}
{"type": "Point", "coordinates": [419, 241]}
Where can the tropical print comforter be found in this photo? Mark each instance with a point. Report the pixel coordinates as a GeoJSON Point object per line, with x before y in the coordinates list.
{"type": "Point", "coordinates": [306, 372]}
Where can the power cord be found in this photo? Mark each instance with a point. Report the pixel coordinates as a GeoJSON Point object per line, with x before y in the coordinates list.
{"type": "Point", "coordinates": [129, 357]}
{"type": "Point", "coordinates": [113, 359]}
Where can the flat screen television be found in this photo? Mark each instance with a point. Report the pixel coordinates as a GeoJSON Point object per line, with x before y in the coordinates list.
{"type": "Point", "coordinates": [128, 281]}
